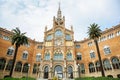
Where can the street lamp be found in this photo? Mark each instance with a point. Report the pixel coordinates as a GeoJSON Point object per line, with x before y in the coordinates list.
{"type": "Point", "coordinates": [28, 71]}
{"type": "Point", "coordinates": [79, 70]}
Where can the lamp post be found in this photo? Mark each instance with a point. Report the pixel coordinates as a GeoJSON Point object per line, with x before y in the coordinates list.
{"type": "Point", "coordinates": [79, 70]}
{"type": "Point", "coordinates": [28, 71]}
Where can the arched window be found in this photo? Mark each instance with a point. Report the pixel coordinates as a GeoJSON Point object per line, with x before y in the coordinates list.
{"type": "Point", "coordinates": [58, 56]}
{"type": "Point", "coordinates": [115, 63]}
{"type": "Point", "coordinates": [82, 68]}
{"type": "Point", "coordinates": [47, 56]}
{"type": "Point", "coordinates": [10, 51]}
{"type": "Point", "coordinates": [68, 37]}
{"type": "Point", "coordinates": [38, 57]}
{"type": "Point", "coordinates": [46, 72]}
{"type": "Point", "coordinates": [49, 37]}
{"type": "Point", "coordinates": [70, 72]}
{"type": "Point", "coordinates": [91, 68]}
{"type": "Point", "coordinates": [97, 66]}
{"type": "Point", "coordinates": [9, 65]}
{"type": "Point", "coordinates": [61, 56]}
{"type": "Point", "coordinates": [18, 66]}
{"type": "Point", "coordinates": [107, 65]}
{"type": "Point", "coordinates": [107, 50]}
{"type": "Point", "coordinates": [79, 56]}
{"type": "Point", "coordinates": [25, 55]}
{"type": "Point", "coordinates": [2, 63]}
{"type": "Point", "coordinates": [25, 68]}
{"type": "Point", "coordinates": [34, 68]}
{"type": "Point", "coordinates": [58, 33]}
{"type": "Point", "coordinates": [92, 54]}
{"type": "Point", "coordinates": [69, 56]}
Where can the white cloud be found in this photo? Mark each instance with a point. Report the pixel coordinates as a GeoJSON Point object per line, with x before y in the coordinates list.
{"type": "Point", "coordinates": [33, 15]}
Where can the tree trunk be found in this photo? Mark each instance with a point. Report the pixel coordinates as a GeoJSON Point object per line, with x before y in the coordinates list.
{"type": "Point", "coordinates": [99, 57]}
{"type": "Point", "coordinates": [14, 59]}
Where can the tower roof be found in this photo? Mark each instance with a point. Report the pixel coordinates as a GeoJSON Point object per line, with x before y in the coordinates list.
{"type": "Point", "coordinates": [59, 12]}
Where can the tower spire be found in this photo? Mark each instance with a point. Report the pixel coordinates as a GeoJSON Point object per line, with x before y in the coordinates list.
{"type": "Point", "coordinates": [59, 12]}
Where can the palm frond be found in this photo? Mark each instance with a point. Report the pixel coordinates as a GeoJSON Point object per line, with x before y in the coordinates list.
{"type": "Point", "coordinates": [94, 31]}
{"type": "Point", "coordinates": [18, 38]}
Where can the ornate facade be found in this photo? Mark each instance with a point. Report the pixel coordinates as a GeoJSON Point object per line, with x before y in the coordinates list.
{"type": "Point", "coordinates": [59, 55]}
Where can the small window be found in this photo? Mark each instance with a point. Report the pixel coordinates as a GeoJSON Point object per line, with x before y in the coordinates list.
{"type": "Point", "coordinates": [39, 47]}
{"type": "Point", "coordinates": [118, 33]}
{"type": "Point", "coordinates": [107, 50]}
{"type": "Point", "coordinates": [49, 37]}
{"type": "Point", "coordinates": [92, 54]}
{"type": "Point", "coordinates": [89, 43]}
{"type": "Point", "coordinates": [69, 56]}
{"type": "Point", "coordinates": [68, 37]}
{"type": "Point", "coordinates": [10, 51]}
{"type": "Point", "coordinates": [47, 56]}
{"type": "Point", "coordinates": [25, 55]}
{"type": "Point", "coordinates": [27, 45]}
{"type": "Point", "coordinates": [77, 46]}
{"type": "Point", "coordinates": [79, 56]}
{"type": "Point", "coordinates": [38, 57]}
{"type": "Point", "coordinates": [110, 36]}
{"type": "Point", "coordinates": [103, 38]}
{"type": "Point", "coordinates": [6, 38]}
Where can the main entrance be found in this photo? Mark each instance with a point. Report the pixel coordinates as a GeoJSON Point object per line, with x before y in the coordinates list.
{"type": "Point", "coordinates": [58, 71]}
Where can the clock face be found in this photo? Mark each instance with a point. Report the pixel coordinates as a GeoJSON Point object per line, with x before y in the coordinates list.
{"type": "Point", "coordinates": [58, 42]}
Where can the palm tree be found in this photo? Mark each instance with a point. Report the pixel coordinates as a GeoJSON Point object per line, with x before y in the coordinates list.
{"type": "Point", "coordinates": [17, 39]}
{"type": "Point", "coordinates": [94, 33]}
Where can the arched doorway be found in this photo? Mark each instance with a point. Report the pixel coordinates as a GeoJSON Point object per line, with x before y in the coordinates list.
{"type": "Point", "coordinates": [70, 72]}
{"type": "Point", "coordinates": [58, 71]}
{"type": "Point", "coordinates": [46, 72]}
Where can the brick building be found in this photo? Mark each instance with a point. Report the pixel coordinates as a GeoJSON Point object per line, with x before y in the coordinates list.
{"type": "Point", "coordinates": [60, 55]}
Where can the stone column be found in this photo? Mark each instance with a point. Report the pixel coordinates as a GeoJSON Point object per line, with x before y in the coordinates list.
{"type": "Point", "coordinates": [65, 72]}
{"type": "Point", "coordinates": [111, 66]}
{"type": "Point", "coordinates": [94, 66]}
{"type": "Point", "coordinates": [110, 63]}
{"type": "Point", "coordinates": [21, 69]}
{"type": "Point", "coordinates": [65, 67]}
{"type": "Point", "coordinates": [14, 69]}
{"type": "Point", "coordinates": [51, 72]}
{"type": "Point", "coordinates": [51, 64]}
{"type": "Point", "coordinates": [5, 67]}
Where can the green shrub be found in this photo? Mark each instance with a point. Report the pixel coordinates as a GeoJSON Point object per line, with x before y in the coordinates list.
{"type": "Point", "coordinates": [97, 78]}
{"type": "Point", "coordinates": [8, 78]}
{"type": "Point", "coordinates": [55, 78]}
{"type": "Point", "coordinates": [24, 78]}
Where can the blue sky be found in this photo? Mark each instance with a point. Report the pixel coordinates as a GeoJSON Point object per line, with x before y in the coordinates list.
{"type": "Point", "coordinates": [32, 16]}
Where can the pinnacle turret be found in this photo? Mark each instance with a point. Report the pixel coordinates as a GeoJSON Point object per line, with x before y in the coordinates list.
{"type": "Point", "coordinates": [59, 15]}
